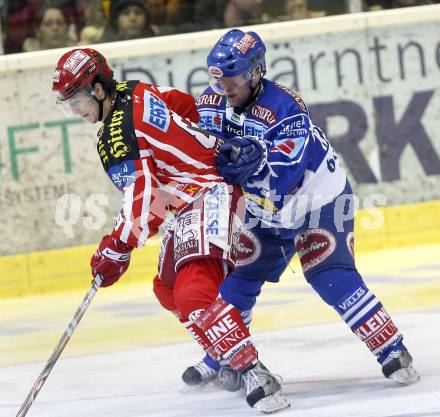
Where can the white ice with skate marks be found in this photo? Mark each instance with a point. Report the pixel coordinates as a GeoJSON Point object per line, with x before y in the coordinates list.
{"type": "Point", "coordinates": [326, 373]}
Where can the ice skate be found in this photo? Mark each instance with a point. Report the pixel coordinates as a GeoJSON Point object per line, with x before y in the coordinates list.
{"type": "Point", "coordinates": [199, 374]}
{"type": "Point", "coordinates": [263, 390]}
{"type": "Point", "coordinates": [229, 379]}
{"type": "Point", "coordinates": [202, 373]}
{"type": "Point", "coordinates": [398, 367]}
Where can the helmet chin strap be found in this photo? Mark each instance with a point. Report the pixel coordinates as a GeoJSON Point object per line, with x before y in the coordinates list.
{"type": "Point", "coordinates": [100, 106]}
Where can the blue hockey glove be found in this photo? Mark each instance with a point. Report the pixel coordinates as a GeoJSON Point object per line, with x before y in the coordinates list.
{"type": "Point", "coordinates": [240, 158]}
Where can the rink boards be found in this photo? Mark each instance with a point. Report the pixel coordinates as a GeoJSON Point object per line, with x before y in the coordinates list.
{"type": "Point", "coordinates": [67, 269]}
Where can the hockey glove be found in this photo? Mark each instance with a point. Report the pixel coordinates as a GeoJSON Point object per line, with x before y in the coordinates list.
{"type": "Point", "coordinates": [111, 260]}
{"type": "Point", "coordinates": [240, 158]}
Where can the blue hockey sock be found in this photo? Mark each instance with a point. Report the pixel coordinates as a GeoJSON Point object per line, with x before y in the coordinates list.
{"type": "Point", "coordinates": [361, 310]}
{"type": "Point", "coordinates": [212, 363]}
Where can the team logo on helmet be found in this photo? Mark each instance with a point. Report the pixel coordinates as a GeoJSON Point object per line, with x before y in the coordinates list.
{"type": "Point", "coordinates": [76, 61]}
{"type": "Point", "coordinates": [215, 72]}
{"type": "Point", "coordinates": [245, 43]}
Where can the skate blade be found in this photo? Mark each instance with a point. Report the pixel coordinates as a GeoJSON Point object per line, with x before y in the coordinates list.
{"type": "Point", "coordinates": [405, 376]}
{"type": "Point", "coordinates": [272, 403]}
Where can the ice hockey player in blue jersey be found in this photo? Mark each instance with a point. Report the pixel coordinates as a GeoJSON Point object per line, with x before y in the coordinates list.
{"type": "Point", "coordinates": [298, 200]}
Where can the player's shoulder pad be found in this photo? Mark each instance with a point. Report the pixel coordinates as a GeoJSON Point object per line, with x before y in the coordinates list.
{"type": "Point", "coordinates": [126, 87]}
{"type": "Point", "coordinates": [209, 99]}
{"type": "Point", "coordinates": [285, 98]}
{"type": "Point", "coordinates": [116, 139]}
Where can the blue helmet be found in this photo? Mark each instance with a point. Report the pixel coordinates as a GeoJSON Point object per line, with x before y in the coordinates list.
{"type": "Point", "coordinates": [236, 53]}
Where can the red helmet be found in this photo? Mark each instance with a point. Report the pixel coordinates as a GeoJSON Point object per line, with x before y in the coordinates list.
{"type": "Point", "coordinates": [76, 70]}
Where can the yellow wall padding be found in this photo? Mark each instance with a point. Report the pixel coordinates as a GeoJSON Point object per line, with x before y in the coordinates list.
{"type": "Point", "coordinates": [67, 269]}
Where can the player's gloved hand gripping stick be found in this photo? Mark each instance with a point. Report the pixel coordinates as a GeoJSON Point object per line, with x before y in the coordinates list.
{"type": "Point", "coordinates": [239, 158]}
{"type": "Point", "coordinates": [60, 346]}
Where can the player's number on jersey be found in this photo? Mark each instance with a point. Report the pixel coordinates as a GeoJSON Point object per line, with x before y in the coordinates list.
{"type": "Point", "coordinates": [206, 140]}
{"type": "Point", "coordinates": [331, 162]}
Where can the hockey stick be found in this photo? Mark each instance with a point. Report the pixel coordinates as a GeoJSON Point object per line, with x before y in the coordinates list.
{"type": "Point", "coordinates": [60, 346]}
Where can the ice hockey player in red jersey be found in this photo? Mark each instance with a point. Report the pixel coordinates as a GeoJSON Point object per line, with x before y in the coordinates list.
{"type": "Point", "coordinates": [161, 163]}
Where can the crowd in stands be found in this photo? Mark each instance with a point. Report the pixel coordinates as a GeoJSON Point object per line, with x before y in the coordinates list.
{"type": "Point", "coordinates": [32, 25]}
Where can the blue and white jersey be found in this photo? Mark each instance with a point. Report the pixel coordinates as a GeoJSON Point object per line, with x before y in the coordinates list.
{"type": "Point", "coordinates": [303, 172]}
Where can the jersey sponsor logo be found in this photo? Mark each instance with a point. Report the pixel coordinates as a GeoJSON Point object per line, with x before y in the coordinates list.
{"type": "Point", "coordinates": [116, 145]}
{"type": "Point", "coordinates": [263, 113]}
{"type": "Point", "coordinates": [118, 148]}
{"type": "Point", "coordinates": [234, 130]}
{"type": "Point", "coordinates": [187, 239]}
{"type": "Point", "coordinates": [353, 299]}
{"type": "Point", "coordinates": [76, 61]}
{"type": "Point", "coordinates": [377, 331]}
{"type": "Point", "coordinates": [295, 96]}
{"type": "Point", "coordinates": [211, 120]}
{"type": "Point", "coordinates": [121, 86]}
{"type": "Point", "coordinates": [191, 189]}
{"type": "Point", "coordinates": [245, 43]}
{"type": "Point", "coordinates": [246, 245]}
{"type": "Point", "coordinates": [211, 215]}
{"type": "Point", "coordinates": [155, 112]}
{"type": "Point", "coordinates": [123, 174]}
{"type": "Point", "coordinates": [289, 147]}
{"type": "Point", "coordinates": [301, 103]}
{"type": "Point", "coordinates": [298, 127]}
{"type": "Point", "coordinates": [252, 128]}
{"type": "Point", "coordinates": [314, 246]}
{"type": "Point", "coordinates": [209, 100]}
{"type": "Point", "coordinates": [236, 118]}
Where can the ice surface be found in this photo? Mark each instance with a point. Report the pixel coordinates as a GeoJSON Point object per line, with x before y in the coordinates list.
{"type": "Point", "coordinates": [326, 372]}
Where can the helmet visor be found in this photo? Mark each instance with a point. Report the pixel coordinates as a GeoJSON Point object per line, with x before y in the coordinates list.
{"type": "Point", "coordinates": [78, 104]}
{"type": "Point", "coordinates": [228, 85]}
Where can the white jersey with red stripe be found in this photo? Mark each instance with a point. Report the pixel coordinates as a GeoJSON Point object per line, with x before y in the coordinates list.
{"type": "Point", "coordinates": [154, 157]}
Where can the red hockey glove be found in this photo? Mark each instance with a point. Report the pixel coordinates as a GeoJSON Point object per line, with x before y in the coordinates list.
{"type": "Point", "coordinates": [111, 260]}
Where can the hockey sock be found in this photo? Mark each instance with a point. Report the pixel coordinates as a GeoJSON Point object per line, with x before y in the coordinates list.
{"type": "Point", "coordinates": [228, 335]}
{"type": "Point", "coordinates": [360, 309]}
{"type": "Point", "coordinates": [199, 336]}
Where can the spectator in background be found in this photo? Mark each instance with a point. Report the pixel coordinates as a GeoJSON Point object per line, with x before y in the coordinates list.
{"type": "Point", "coordinates": [18, 23]}
{"type": "Point", "coordinates": [95, 22]}
{"type": "Point", "coordinates": [242, 12]}
{"type": "Point", "coordinates": [394, 4]}
{"type": "Point", "coordinates": [297, 9]}
{"type": "Point", "coordinates": [209, 14]}
{"type": "Point", "coordinates": [73, 10]}
{"type": "Point", "coordinates": [319, 8]}
{"type": "Point", "coordinates": [51, 31]}
{"type": "Point", "coordinates": [194, 15]}
{"type": "Point", "coordinates": [157, 10]}
{"type": "Point", "coordinates": [129, 19]}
